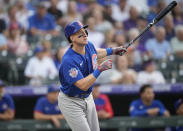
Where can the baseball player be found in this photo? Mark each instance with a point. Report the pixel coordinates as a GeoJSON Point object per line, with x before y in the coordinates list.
{"type": "Point", "coordinates": [47, 107]}
{"type": "Point", "coordinates": [77, 74]}
{"type": "Point", "coordinates": [7, 107]}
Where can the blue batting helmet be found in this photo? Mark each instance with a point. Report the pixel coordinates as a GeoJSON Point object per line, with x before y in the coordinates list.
{"type": "Point", "coordinates": [73, 28]}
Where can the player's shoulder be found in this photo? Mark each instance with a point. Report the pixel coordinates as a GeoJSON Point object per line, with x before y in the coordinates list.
{"type": "Point", "coordinates": [90, 44]}
{"type": "Point", "coordinates": [7, 97]}
{"type": "Point", "coordinates": [42, 99]}
{"type": "Point", "coordinates": [136, 102]}
{"type": "Point", "coordinates": [33, 61]}
{"type": "Point", "coordinates": [68, 56]}
{"type": "Point", "coordinates": [157, 101]}
{"type": "Point", "coordinates": [103, 96]}
{"type": "Point", "coordinates": [68, 59]}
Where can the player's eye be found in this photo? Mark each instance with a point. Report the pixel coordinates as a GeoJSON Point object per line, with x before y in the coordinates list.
{"type": "Point", "coordinates": [81, 35]}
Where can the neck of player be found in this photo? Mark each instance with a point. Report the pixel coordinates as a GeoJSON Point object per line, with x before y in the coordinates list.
{"type": "Point", "coordinates": [79, 48]}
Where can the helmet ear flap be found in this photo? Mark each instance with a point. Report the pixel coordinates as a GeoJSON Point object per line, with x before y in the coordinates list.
{"type": "Point", "coordinates": [69, 40]}
{"type": "Point", "coordinates": [86, 32]}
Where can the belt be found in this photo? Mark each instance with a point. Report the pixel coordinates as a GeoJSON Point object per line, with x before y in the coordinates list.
{"type": "Point", "coordinates": [82, 96]}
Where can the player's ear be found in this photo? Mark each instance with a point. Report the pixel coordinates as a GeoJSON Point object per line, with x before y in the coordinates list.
{"type": "Point", "coordinates": [71, 38]}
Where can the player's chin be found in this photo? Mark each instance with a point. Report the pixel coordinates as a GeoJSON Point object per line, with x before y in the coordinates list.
{"type": "Point", "coordinates": [85, 42]}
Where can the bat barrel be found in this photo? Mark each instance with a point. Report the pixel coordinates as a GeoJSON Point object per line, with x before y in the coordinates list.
{"type": "Point", "coordinates": [165, 11]}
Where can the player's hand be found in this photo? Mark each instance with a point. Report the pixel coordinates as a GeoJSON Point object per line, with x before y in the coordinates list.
{"type": "Point", "coordinates": [153, 111]}
{"type": "Point", "coordinates": [166, 114]}
{"type": "Point", "coordinates": [55, 121]}
{"type": "Point", "coordinates": [119, 50]}
{"type": "Point", "coordinates": [107, 64]}
{"type": "Point", "coordinates": [103, 114]}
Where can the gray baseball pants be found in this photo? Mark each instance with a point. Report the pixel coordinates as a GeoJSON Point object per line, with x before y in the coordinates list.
{"type": "Point", "coordinates": [80, 113]}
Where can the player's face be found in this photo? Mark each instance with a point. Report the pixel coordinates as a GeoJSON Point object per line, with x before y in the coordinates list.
{"type": "Point", "coordinates": [53, 96]}
{"type": "Point", "coordinates": [80, 37]}
{"type": "Point", "coordinates": [1, 92]}
{"type": "Point", "coordinates": [180, 110]}
{"type": "Point", "coordinates": [148, 95]}
{"type": "Point", "coordinates": [40, 55]}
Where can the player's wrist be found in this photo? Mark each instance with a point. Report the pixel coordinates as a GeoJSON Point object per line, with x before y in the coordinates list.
{"type": "Point", "coordinates": [109, 51]}
{"type": "Point", "coordinates": [96, 73]}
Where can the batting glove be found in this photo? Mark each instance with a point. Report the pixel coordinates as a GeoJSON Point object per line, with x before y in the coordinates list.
{"type": "Point", "coordinates": [119, 50]}
{"type": "Point", "coordinates": [107, 64]}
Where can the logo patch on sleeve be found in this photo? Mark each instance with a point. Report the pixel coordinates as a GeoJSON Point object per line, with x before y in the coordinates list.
{"type": "Point", "coordinates": [73, 72]}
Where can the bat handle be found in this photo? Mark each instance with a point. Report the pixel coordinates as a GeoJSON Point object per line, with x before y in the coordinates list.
{"type": "Point", "coordinates": [122, 53]}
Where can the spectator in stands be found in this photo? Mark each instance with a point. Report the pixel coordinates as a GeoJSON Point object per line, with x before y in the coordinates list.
{"type": "Point", "coordinates": [47, 107]}
{"type": "Point", "coordinates": [57, 14]}
{"type": "Point", "coordinates": [6, 4]}
{"type": "Point", "coordinates": [17, 44]}
{"type": "Point", "coordinates": [12, 15]}
{"type": "Point", "coordinates": [42, 23]}
{"type": "Point", "coordinates": [22, 14]}
{"type": "Point", "coordinates": [13, 18]}
{"type": "Point", "coordinates": [131, 22]}
{"type": "Point", "coordinates": [7, 107]}
{"type": "Point", "coordinates": [47, 48]}
{"type": "Point", "coordinates": [58, 56]}
{"type": "Point", "coordinates": [119, 27]}
{"type": "Point", "coordinates": [160, 6]}
{"type": "Point", "coordinates": [177, 41]}
{"type": "Point", "coordinates": [158, 48]}
{"type": "Point", "coordinates": [120, 12]}
{"type": "Point", "coordinates": [72, 13]}
{"type": "Point", "coordinates": [179, 112]}
{"type": "Point", "coordinates": [119, 38]}
{"type": "Point", "coordinates": [83, 6]}
{"type": "Point", "coordinates": [124, 75]}
{"type": "Point", "coordinates": [2, 25]}
{"type": "Point", "coordinates": [109, 37]}
{"type": "Point", "coordinates": [107, 2]}
{"type": "Point", "coordinates": [146, 106]}
{"type": "Point", "coordinates": [102, 103]}
{"type": "Point", "coordinates": [155, 6]}
{"type": "Point", "coordinates": [3, 41]}
{"type": "Point", "coordinates": [102, 25]}
{"type": "Point", "coordinates": [40, 68]}
{"type": "Point", "coordinates": [169, 27]}
{"type": "Point", "coordinates": [95, 37]}
{"type": "Point", "coordinates": [134, 54]}
{"type": "Point", "coordinates": [108, 13]}
{"type": "Point", "coordinates": [141, 25]}
{"type": "Point", "coordinates": [141, 5]}
{"type": "Point", "coordinates": [150, 75]}
{"type": "Point", "coordinates": [63, 5]}
{"type": "Point", "coordinates": [177, 15]}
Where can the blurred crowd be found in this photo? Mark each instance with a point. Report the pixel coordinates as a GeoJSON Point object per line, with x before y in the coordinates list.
{"type": "Point", "coordinates": [32, 41]}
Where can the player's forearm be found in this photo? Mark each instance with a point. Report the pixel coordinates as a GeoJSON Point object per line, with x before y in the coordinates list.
{"type": "Point", "coordinates": [139, 113]}
{"type": "Point", "coordinates": [39, 116]}
{"type": "Point", "coordinates": [101, 53]}
{"type": "Point", "coordinates": [6, 116]}
{"type": "Point", "coordinates": [85, 83]}
{"type": "Point", "coordinates": [59, 116]}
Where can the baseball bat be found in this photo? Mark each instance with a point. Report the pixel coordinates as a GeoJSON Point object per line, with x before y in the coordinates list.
{"type": "Point", "coordinates": [155, 20]}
